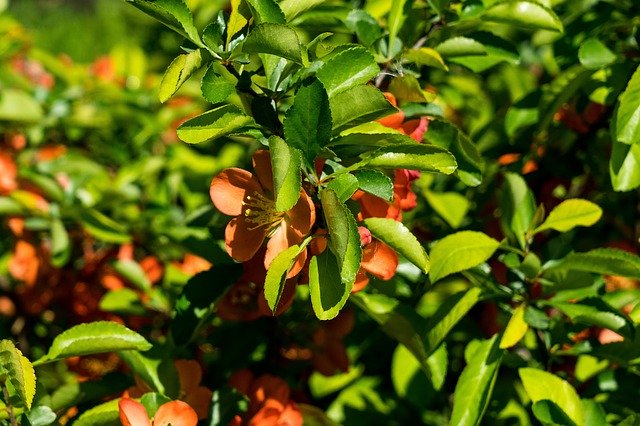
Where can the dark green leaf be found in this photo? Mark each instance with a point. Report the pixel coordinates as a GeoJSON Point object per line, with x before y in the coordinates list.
{"type": "Point", "coordinates": [358, 105]}
{"type": "Point", "coordinates": [375, 183]}
{"type": "Point", "coordinates": [105, 414]}
{"type": "Point", "coordinates": [349, 68]}
{"type": "Point", "coordinates": [550, 414]}
{"type": "Point", "coordinates": [180, 69]}
{"type": "Point", "coordinates": [156, 368]}
{"type": "Point", "coordinates": [277, 275]}
{"type": "Point", "coordinates": [344, 185]}
{"type": "Point", "coordinates": [364, 26]}
{"type": "Point", "coordinates": [104, 228]}
{"type": "Point", "coordinates": [594, 311]}
{"type": "Point", "coordinates": [602, 261]}
{"type": "Point", "coordinates": [426, 158]}
{"type": "Point", "coordinates": [328, 291]}
{"type": "Point", "coordinates": [266, 11]}
{"type": "Point", "coordinates": [400, 10]}
{"type": "Point", "coordinates": [449, 314]}
{"type": "Point", "coordinates": [213, 124]}
{"type": "Point", "coordinates": [624, 166]}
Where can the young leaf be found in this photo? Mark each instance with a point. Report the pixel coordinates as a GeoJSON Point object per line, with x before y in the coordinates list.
{"type": "Point", "coordinates": [608, 261]}
{"type": "Point", "coordinates": [92, 338]}
{"type": "Point", "coordinates": [236, 21]}
{"type": "Point", "coordinates": [173, 13]}
{"type": "Point", "coordinates": [475, 385]}
{"type": "Point", "coordinates": [460, 251]}
{"type": "Point", "coordinates": [285, 163]}
{"type": "Point", "coordinates": [429, 57]}
{"type": "Point", "coordinates": [307, 124]}
{"type": "Point", "coordinates": [275, 39]}
{"type": "Point", "coordinates": [180, 69]}
{"type": "Point", "coordinates": [398, 237]}
{"type": "Point", "coordinates": [213, 124]}
{"type": "Point", "coordinates": [18, 371]}
{"type": "Point", "coordinates": [594, 55]}
{"type": "Point", "coordinates": [451, 206]}
{"type": "Point", "coordinates": [349, 68]}
{"type": "Point", "coordinates": [518, 207]}
{"type": "Point", "coordinates": [344, 185]}
{"type": "Point", "coordinates": [266, 11]}
{"type": "Point", "coordinates": [627, 119]}
{"type": "Point", "coordinates": [215, 88]}
{"type": "Point", "coordinates": [105, 414]}
{"type": "Point", "coordinates": [524, 13]}
{"type": "Point", "coordinates": [541, 385]}
{"type": "Point", "coordinates": [328, 291]}
{"type": "Point", "coordinates": [516, 328]}
{"type": "Point", "coordinates": [357, 105]}
{"type": "Point", "coordinates": [569, 214]}
{"type": "Point", "coordinates": [426, 158]}
{"type": "Point", "coordinates": [277, 275]}
{"type": "Point", "coordinates": [375, 183]}
{"type": "Point", "coordinates": [448, 315]}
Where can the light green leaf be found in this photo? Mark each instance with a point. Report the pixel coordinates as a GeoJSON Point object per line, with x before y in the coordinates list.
{"type": "Point", "coordinates": [104, 228]}
{"type": "Point", "coordinates": [236, 21]}
{"type": "Point", "coordinates": [358, 105]}
{"type": "Point", "coordinates": [94, 337]}
{"type": "Point", "coordinates": [60, 247]}
{"type": "Point", "coordinates": [426, 158]}
{"type": "Point", "coordinates": [449, 314]}
{"type": "Point", "coordinates": [409, 381]}
{"type": "Point", "coordinates": [10, 207]}
{"type": "Point", "coordinates": [550, 414]}
{"type": "Point", "coordinates": [475, 385]}
{"type": "Point", "coordinates": [407, 89]}
{"type": "Point", "coordinates": [213, 124]}
{"type": "Point", "coordinates": [156, 368]}
{"type": "Point", "coordinates": [106, 414]}
{"type": "Point", "coordinates": [18, 371]}
{"type": "Point", "coordinates": [277, 275]}
{"type": "Point", "coordinates": [627, 120]}
{"type": "Point", "coordinates": [569, 214]}
{"type": "Point", "coordinates": [461, 46]}
{"type": "Point", "coordinates": [132, 272]}
{"type": "Point", "coordinates": [375, 183]}
{"type": "Point", "coordinates": [274, 39]}
{"type": "Point", "coordinates": [293, 8]}
{"type": "Point", "coordinates": [594, 311]}
{"type": "Point", "coordinates": [624, 166]}
{"type": "Point", "coordinates": [215, 88]}
{"type": "Point", "coordinates": [122, 301]}
{"type": "Point", "coordinates": [180, 69]}
{"type": "Point", "coordinates": [593, 54]}
{"type": "Point", "coordinates": [516, 328]}
{"type": "Point", "coordinates": [285, 163]}
{"type": "Point", "coordinates": [426, 56]}
{"type": "Point", "coordinates": [307, 124]}
{"type": "Point", "coordinates": [398, 237]}
{"type": "Point", "coordinates": [349, 68]}
{"type": "Point", "coordinates": [608, 261]}
{"type": "Point", "coordinates": [344, 185]}
{"type": "Point", "coordinates": [559, 91]}
{"type": "Point", "coordinates": [266, 11]}
{"type": "Point", "coordinates": [173, 13]}
{"type": "Point", "coordinates": [594, 414]}
{"type": "Point", "coordinates": [460, 251]}
{"type": "Point", "coordinates": [41, 416]}
{"type": "Point", "coordinates": [328, 291]}
{"type": "Point", "coordinates": [16, 105]}
{"type": "Point", "coordinates": [523, 13]}
{"type": "Point", "coordinates": [364, 26]}
{"type": "Point", "coordinates": [518, 207]}
{"type": "Point", "coordinates": [400, 9]}
{"type": "Point", "coordinates": [541, 385]}
{"type": "Point", "coordinates": [451, 206]}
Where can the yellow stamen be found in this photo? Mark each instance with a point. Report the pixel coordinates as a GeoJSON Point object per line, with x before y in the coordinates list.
{"type": "Point", "coordinates": [261, 211]}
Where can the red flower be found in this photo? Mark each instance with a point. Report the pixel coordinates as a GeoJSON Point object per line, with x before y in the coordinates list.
{"type": "Point", "coordinates": [249, 197]}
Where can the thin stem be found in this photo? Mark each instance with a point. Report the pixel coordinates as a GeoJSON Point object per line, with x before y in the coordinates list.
{"type": "Point", "coordinates": [12, 416]}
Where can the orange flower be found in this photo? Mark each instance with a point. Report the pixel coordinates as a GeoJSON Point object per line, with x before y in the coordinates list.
{"type": "Point", "coordinates": [378, 259]}
{"type": "Point", "coordinates": [415, 128]}
{"type": "Point", "coordinates": [8, 173]}
{"type": "Point", "coordinates": [329, 353]}
{"type": "Point", "coordinates": [269, 403]}
{"type": "Point", "coordinates": [25, 263]}
{"type": "Point", "coordinates": [404, 199]}
{"type": "Point", "coordinates": [249, 197]}
{"type": "Point", "coordinates": [174, 413]}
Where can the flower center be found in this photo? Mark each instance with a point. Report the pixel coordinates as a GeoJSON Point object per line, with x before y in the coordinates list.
{"type": "Point", "coordinates": [261, 211]}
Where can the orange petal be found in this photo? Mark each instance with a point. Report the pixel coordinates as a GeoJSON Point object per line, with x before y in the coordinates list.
{"type": "Point", "coordinates": [189, 374]}
{"type": "Point", "coordinates": [283, 238]}
{"type": "Point", "coordinates": [241, 242]}
{"type": "Point", "coordinates": [175, 413]}
{"type": "Point", "coordinates": [241, 380]}
{"type": "Point", "coordinates": [303, 215]}
{"type": "Point", "coordinates": [291, 416]}
{"type": "Point", "coordinates": [416, 128]}
{"type": "Point", "coordinates": [262, 166]}
{"type": "Point", "coordinates": [229, 188]}
{"type": "Point", "coordinates": [132, 413]}
{"type": "Point", "coordinates": [200, 400]}
{"type": "Point", "coordinates": [379, 260]}
{"type": "Point", "coordinates": [362, 280]}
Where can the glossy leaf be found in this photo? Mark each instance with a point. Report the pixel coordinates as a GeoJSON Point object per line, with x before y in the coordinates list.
{"type": "Point", "coordinates": [398, 237]}
{"type": "Point", "coordinates": [524, 13]}
{"type": "Point", "coordinates": [627, 119]}
{"type": "Point", "coordinates": [328, 291]}
{"type": "Point", "coordinates": [344, 185]}
{"type": "Point", "coordinates": [180, 69]}
{"type": "Point", "coordinates": [105, 414]}
{"type": "Point", "coordinates": [347, 69]}
{"type": "Point", "coordinates": [18, 371]}
{"type": "Point", "coordinates": [451, 206]}
{"type": "Point", "coordinates": [601, 261]}
{"type": "Point", "coordinates": [94, 337]}
{"type": "Point", "coordinates": [235, 23]}
{"type": "Point", "coordinates": [569, 214]}
{"type": "Point", "coordinates": [475, 385]}
{"type": "Point", "coordinates": [425, 158]}
{"type": "Point", "coordinates": [213, 124]}
{"type": "Point", "coordinates": [285, 163]}
{"type": "Point", "coordinates": [516, 328]}
{"type": "Point", "coordinates": [541, 385]}
{"type": "Point", "coordinates": [277, 275]}
{"type": "Point", "coordinates": [375, 183]}
{"type": "Point", "coordinates": [173, 13]}
{"type": "Point", "coordinates": [293, 8]}
{"type": "Point", "coordinates": [358, 105]}
{"type": "Point", "coordinates": [550, 414]}
{"type": "Point", "coordinates": [624, 166]}
{"type": "Point", "coordinates": [461, 46]}
{"type": "Point", "coordinates": [266, 11]}
{"type": "Point", "coordinates": [593, 54]}
{"type": "Point", "coordinates": [518, 207]}
{"type": "Point", "coordinates": [156, 369]}
{"type": "Point", "coordinates": [307, 124]}
{"type": "Point", "coordinates": [274, 39]}
{"type": "Point", "coordinates": [460, 251]}
{"type": "Point", "coordinates": [215, 88]}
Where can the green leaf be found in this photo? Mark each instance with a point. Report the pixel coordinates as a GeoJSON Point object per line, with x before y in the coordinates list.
{"type": "Point", "coordinates": [92, 338]}
{"type": "Point", "coordinates": [122, 301]}
{"type": "Point", "coordinates": [173, 13]}
{"type": "Point", "coordinates": [285, 163]}
{"type": "Point", "coordinates": [407, 88]}
{"type": "Point", "coordinates": [41, 416]}
{"type": "Point", "coordinates": [156, 368]}
{"type": "Point", "coordinates": [559, 91]}
{"type": "Point", "coordinates": [497, 50]}
{"type": "Point", "coordinates": [152, 401]}
{"type": "Point", "coordinates": [398, 237]}
{"type": "Point", "coordinates": [375, 183]}
{"type": "Point", "coordinates": [460, 251]}
{"type": "Point", "coordinates": [550, 414]}
{"type": "Point", "coordinates": [104, 228]}
{"type": "Point", "coordinates": [474, 388]}
{"type": "Point", "coordinates": [9, 207]}
{"type": "Point", "coordinates": [447, 136]}
{"type": "Point", "coordinates": [274, 39]}
{"type": "Point", "coordinates": [569, 214]}
{"type": "Point", "coordinates": [400, 10]}
{"type": "Point", "coordinates": [277, 275]}
{"type": "Point", "coordinates": [344, 185]}
{"type": "Point", "coordinates": [364, 26]}
{"type": "Point", "coordinates": [344, 239]}
{"type": "Point", "coordinates": [307, 124]}
{"type": "Point", "coordinates": [523, 13]}
{"type": "Point", "coordinates": [593, 54]}
{"type": "Point", "coordinates": [328, 291]}
{"type": "Point", "coordinates": [407, 376]}
{"type": "Point", "coordinates": [266, 11]}
{"type": "Point", "coordinates": [518, 207]}
{"type": "Point", "coordinates": [425, 158]}
{"type": "Point", "coordinates": [16, 105]}
{"type": "Point", "coordinates": [358, 105]}
{"type": "Point", "coordinates": [541, 385]}
{"type": "Point", "coordinates": [132, 272]}
{"type": "Point", "coordinates": [594, 311]}
{"type": "Point", "coordinates": [106, 414]}
{"type": "Point", "coordinates": [236, 21]}
{"type": "Point", "coordinates": [624, 166]}
{"type": "Point", "coordinates": [293, 8]}
{"type": "Point", "coordinates": [516, 328]}
{"type": "Point", "coordinates": [461, 46]}
{"type": "Point", "coordinates": [18, 371]}
{"type": "Point", "coordinates": [608, 261]}
{"type": "Point", "coordinates": [215, 88]}
{"type": "Point", "coordinates": [349, 68]}
{"type": "Point", "coordinates": [213, 124]}
{"type": "Point", "coordinates": [594, 414]}
{"type": "Point", "coordinates": [451, 206]}
{"type": "Point", "coordinates": [426, 56]}
{"type": "Point", "coordinates": [449, 314]}
{"type": "Point", "coordinates": [180, 69]}
{"type": "Point", "coordinates": [627, 119]}
{"type": "Point", "coordinates": [60, 247]}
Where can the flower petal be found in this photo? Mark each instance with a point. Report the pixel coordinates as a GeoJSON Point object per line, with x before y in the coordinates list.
{"type": "Point", "coordinates": [283, 238]}
{"type": "Point", "coordinates": [229, 188]}
{"type": "Point", "coordinates": [416, 128]}
{"type": "Point", "coordinates": [132, 413]}
{"type": "Point", "coordinates": [262, 166]}
{"type": "Point", "coordinates": [189, 374]}
{"type": "Point", "coordinates": [242, 240]}
{"type": "Point", "coordinates": [175, 413]}
{"type": "Point", "coordinates": [379, 260]}
{"type": "Point", "coordinates": [303, 215]}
